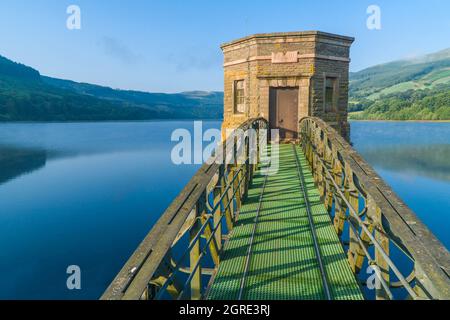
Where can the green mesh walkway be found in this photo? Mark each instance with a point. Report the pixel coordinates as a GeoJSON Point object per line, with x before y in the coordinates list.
{"type": "Point", "coordinates": [283, 262]}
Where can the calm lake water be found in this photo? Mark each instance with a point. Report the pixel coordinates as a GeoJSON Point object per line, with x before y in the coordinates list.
{"type": "Point", "coordinates": [86, 194]}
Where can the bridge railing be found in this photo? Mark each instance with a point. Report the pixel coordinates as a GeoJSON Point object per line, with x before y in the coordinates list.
{"type": "Point", "coordinates": [378, 230]}
{"type": "Point", "coordinates": [179, 255]}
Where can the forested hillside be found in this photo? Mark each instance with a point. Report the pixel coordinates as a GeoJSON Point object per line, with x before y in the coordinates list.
{"type": "Point", "coordinates": [423, 104]}
{"type": "Point", "coordinates": [25, 95]}
{"type": "Point", "coordinates": [415, 89]}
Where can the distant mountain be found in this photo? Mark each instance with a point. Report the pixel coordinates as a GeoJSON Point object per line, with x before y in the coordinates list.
{"type": "Point", "coordinates": [179, 105]}
{"type": "Point", "coordinates": [412, 89]}
{"type": "Point", "coordinates": [25, 95]}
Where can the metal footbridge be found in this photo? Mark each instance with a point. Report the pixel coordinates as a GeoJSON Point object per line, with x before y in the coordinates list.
{"type": "Point", "coordinates": [284, 245]}
{"type": "Point", "coordinates": [308, 220]}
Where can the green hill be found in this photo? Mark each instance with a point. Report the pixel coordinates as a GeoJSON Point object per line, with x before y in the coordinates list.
{"type": "Point", "coordinates": [415, 89]}
{"type": "Point", "coordinates": [25, 95]}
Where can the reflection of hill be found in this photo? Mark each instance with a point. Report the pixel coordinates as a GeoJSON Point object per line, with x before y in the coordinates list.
{"type": "Point", "coordinates": [15, 162]}
{"type": "Point", "coordinates": [431, 161]}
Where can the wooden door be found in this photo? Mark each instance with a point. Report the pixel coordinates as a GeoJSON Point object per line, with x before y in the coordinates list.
{"type": "Point", "coordinates": [283, 115]}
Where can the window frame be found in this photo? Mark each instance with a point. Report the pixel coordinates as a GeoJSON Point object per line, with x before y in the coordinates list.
{"type": "Point", "coordinates": [333, 108]}
{"type": "Point", "coordinates": [236, 97]}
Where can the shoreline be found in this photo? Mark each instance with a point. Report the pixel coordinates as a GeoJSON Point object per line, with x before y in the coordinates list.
{"type": "Point", "coordinates": [419, 121]}
{"type": "Point", "coordinates": [109, 121]}
{"type": "Point", "coordinates": [189, 120]}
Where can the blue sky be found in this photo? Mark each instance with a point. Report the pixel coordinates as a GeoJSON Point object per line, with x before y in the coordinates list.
{"type": "Point", "coordinates": [173, 45]}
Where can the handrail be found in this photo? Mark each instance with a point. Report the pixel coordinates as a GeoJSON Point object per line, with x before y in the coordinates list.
{"type": "Point", "coordinates": [346, 181]}
{"type": "Point", "coordinates": [150, 268]}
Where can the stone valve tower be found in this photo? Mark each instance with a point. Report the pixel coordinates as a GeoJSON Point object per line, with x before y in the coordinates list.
{"type": "Point", "coordinates": [284, 77]}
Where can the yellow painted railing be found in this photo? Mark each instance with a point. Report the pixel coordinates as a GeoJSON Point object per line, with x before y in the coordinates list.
{"type": "Point", "coordinates": [380, 229]}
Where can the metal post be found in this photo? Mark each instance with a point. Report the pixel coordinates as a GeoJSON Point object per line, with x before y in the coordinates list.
{"type": "Point", "coordinates": [381, 262]}
{"type": "Point", "coordinates": [196, 282]}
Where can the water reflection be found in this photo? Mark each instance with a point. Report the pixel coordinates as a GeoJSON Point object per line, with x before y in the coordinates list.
{"type": "Point", "coordinates": [83, 194]}
{"type": "Point", "coordinates": [414, 159]}
{"type": "Point", "coordinates": [367, 135]}
{"type": "Point", "coordinates": [428, 161]}
{"type": "Point", "coordinates": [15, 162]}
{"type": "Point", "coordinates": [26, 147]}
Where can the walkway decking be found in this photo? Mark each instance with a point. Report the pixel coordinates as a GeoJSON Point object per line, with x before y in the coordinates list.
{"type": "Point", "coordinates": [283, 263]}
